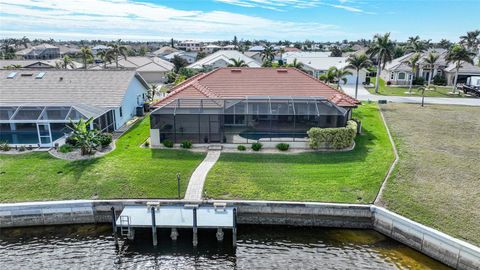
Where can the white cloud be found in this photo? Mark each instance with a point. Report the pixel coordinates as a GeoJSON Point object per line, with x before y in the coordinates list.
{"type": "Point", "coordinates": [87, 19]}
{"type": "Point", "coordinates": [277, 5]}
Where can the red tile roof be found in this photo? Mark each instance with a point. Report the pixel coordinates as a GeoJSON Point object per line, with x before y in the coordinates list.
{"type": "Point", "coordinates": [241, 82]}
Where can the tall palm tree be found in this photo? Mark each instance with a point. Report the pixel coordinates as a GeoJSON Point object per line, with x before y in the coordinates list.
{"type": "Point", "coordinates": [412, 62]}
{"type": "Point", "coordinates": [358, 62]}
{"type": "Point", "coordinates": [268, 54]}
{"type": "Point", "coordinates": [431, 60]}
{"type": "Point", "coordinates": [471, 40]}
{"type": "Point", "coordinates": [341, 75]}
{"type": "Point", "coordinates": [118, 49]}
{"type": "Point", "coordinates": [458, 54]}
{"type": "Point", "coordinates": [86, 54]}
{"type": "Point", "coordinates": [153, 91]}
{"type": "Point", "coordinates": [66, 62]}
{"type": "Point", "coordinates": [382, 50]}
{"type": "Point", "coordinates": [237, 63]}
{"type": "Point", "coordinates": [329, 76]}
{"type": "Point", "coordinates": [106, 56]}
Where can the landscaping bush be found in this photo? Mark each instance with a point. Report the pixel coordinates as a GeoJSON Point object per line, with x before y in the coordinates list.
{"type": "Point", "coordinates": [146, 144]}
{"type": "Point", "coordinates": [71, 140]}
{"type": "Point", "coordinates": [241, 148]}
{"type": "Point", "coordinates": [167, 143]}
{"type": "Point", "coordinates": [105, 139]}
{"type": "Point", "coordinates": [418, 81]}
{"type": "Point", "coordinates": [256, 146]}
{"type": "Point", "coordinates": [186, 144]}
{"type": "Point", "coordinates": [66, 148]}
{"type": "Point", "coordinates": [22, 149]}
{"type": "Point", "coordinates": [337, 138]}
{"type": "Point", "coordinates": [283, 146]}
{"type": "Point", "coordinates": [389, 83]}
{"type": "Point", "coordinates": [439, 80]}
{"type": "Point", "coordinates": [4, 146]}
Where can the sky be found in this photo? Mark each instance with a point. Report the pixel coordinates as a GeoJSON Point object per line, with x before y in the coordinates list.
{"type": "Point", "coordinates": [295, 20]}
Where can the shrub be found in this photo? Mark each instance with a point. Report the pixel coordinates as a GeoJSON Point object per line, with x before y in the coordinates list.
{"type": "Point", "coordinates": [283, 146]}
{"type": "Point", "coordinates": [337, 138]}
{"type": "Point", "coordinates": [186, 144]}
{"type": "Point", "coordinates": [66, 148]}
{"type": "Point", "coordinates": [22, 149]}
{"type": "Point", "coordinates": [256, 146]}
{"type": "Point", "coordinates": [419, 81]}
{"type": "Point", "coordinates": [439, 80]}
{"type": "Point", "coordinates": [105, 139]}
{"type": "Point", "coordinates": [167, 143]}
{"type": "Point", "coordinates": [4, 146]}
{"type": "Point", "coordinates": [147, 144]}
{"type": "Point", "coordinates": [71, 140]}
{"type": "Point", "coordinates": [389, 83]}
{"type": "Point", "coordinates": [241, 148]}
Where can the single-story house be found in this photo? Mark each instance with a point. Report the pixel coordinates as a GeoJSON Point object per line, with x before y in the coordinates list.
{"type": "Point", "coordinates": [241, 105]}
{"type": "Point", "coordinates": [100, 48]}
{"type": "Point", "coordinates": [398, 72]}
{"type": "Point", "coordinates": [163, 51]}
{"type": "Point", "coordinates": [37, 64]}
{"type": "Point", "coordinates": [190, 57]}
{"type": "Point", "coordinates": [43, 51]}
{"type": "Point", "coordinates": [223, 59]}
{"type": "Point", "coordinates": [317, 63]}
{"type": "Point", "coordinates": [152, 69]}
{"type": "Point", "coordinates": [211, 48]}
{"type": "Point", "coordinates": [257, 56]}
{"type": "Point", "coordinates": [35, 105]}
{"type": "Point", "coordinates": [258, 48]}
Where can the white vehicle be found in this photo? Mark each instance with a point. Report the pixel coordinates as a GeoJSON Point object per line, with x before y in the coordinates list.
{"type": "Point", "coordinates": [472, 86]}
{"type": "Point", "coordinates": [473, 81]}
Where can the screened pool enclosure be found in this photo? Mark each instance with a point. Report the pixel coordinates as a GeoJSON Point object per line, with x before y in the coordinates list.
{"type": "Point", "coordinates": [42, 125]}
{"type": "Point", "coordinates": [244, 120]}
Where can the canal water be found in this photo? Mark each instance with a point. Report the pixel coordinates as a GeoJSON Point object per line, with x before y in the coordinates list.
{"type": "Point", "coordinates": [258, 247]}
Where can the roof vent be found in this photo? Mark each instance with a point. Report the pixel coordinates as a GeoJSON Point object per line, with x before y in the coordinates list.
{"type": "Point", "coordinates": [283, 70]}
{"type": "Point", "coordinates": [40, 75]}
{"type": "Point", "coordinates": [60, 79]}
{"type": "Point", "coordinates": [236, 70]}
{"type": "Point", "coordinates": [26, 74]}
{"type": "Point", "coordinates": [11, 75]}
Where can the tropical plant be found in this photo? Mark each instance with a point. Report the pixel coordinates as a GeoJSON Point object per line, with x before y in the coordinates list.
{"type": "Point", "coordinates": [329, 75]}
{"type": "Point", "coordinates": [425, 88]}
{"type": "Point", "coordinates": [179, 62]}
{"type": "Point", "coordinates": [86, 138]}
{"type": "Point", "coordinates": [237, 63]}
{"type": "Point", "coordinates": [382, 50]}
{"type": "Point", "coordinates": [471, 40]}
{"type": "Point", "coordinates": [412, 62]}
{"type": "Point", "coordinates": [268, 54]}
{"type": "Point", "coordinates": [398, 51]}
{"type": "Point", "coordinates": [431, 60]}
{"type": "Point", "coordinates": [296, 64]}
{"type": "Point", "coordinates": [152, 92]}
{"type": "Point", "coordinates": [414, 44]}
{"type": "Point", "coordinates": [86, 55]}
{"type": "Point", "coordinates": [358, 62]}
{"type": "Point", "coordinates": [458, 54]}
{"type": "Point", "coordinates": [65, 62]}
{"type": "Point", "coordinates": [341, 75]}
{"type": "Point", "coordinates": [444, 44]}
{"type": "Point", "coordinates": [117, 50]}
{"type": "Point", "coordinates": [13, 66]}
{"type": "Point", "coordinates": [335, 52]}
{"type": "Point", "coordinates": [106, 56]}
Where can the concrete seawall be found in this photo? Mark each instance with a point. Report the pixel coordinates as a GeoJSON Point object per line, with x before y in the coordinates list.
{"type": "Point", "coordinates": [451, 251]}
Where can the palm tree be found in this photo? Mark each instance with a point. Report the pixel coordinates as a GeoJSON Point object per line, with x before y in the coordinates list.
{"type": "Point", "coordinates": [86, 54]}
{"type": "Point", "coordinates": [296, 64]}
{"type": "Point", "coordinates": [431, 59]}
{"type": "Point", "coordinates": [471, 40]}
{"type": "Point", "coordinates": [66, 62]}
{"type": "Point", "coordinates": [329, 76]}
{"type": "Point", "coordinates": [358, 62]}
{"type": "Point", "coordinates": [382, 50]}
{"type": "Point", "coordinates": [237, 63]}
{"type": "Point", "coordinates": [268, 54]}
{"type": "Point", "coordinates": [458, 55]}
{"type": "Point", "coordinates": [87, 139]}
{"type": "Point", "coordinates": [340, 76]}
{"type": "Point", "coordinates": [153, 91]}
{"type": "Point", "coordinates": [412, 62]}
{"type": "Point", "coordinates": [106, 56]}
{"type": "Point", "coordinates": [118, 49]}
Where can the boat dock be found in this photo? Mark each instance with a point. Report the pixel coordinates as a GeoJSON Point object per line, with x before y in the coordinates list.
{"type": "Point", "coordinates": [154, 215]}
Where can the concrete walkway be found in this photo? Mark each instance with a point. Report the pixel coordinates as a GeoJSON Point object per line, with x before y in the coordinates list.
{"type": "Point", "coordinates": [363, 94]}
{"type": "Point", "coordinates": [195, 185]}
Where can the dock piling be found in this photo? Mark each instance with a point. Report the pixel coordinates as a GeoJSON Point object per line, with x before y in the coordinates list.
{"type": "Point", "coordinates": [114, 226]}
{"type": "Point", "coordinates": [154, 227]}
{"type": "Point", "coordinates": [219, 234]}
{"type": "Point", "coordinates": [234, 228]}
{"type": "Point", "coordinates": [174, 234]}
{"type": "Point", "coordinates": [195, 236]}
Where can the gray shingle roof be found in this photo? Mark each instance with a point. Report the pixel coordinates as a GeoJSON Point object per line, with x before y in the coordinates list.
{"type": "Point", "coordinates": [101, 88]}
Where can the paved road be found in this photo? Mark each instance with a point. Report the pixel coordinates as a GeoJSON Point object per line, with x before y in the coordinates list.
{"type": "Point", "coordinates": [195, 185]}
{"type": "Point", "coordinates": [363, 94]}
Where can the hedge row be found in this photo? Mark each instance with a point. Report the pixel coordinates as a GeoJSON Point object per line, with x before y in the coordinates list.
{"type": "Point", "coordinates": [337, 138]}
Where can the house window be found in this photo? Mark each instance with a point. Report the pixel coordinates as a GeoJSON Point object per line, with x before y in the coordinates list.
{"type": "Point", "coordinates": [392, 76]}
{"type": "Point", "coordinates": [401, 76]}
{"type": "Point", "coordinates": [121, 112]}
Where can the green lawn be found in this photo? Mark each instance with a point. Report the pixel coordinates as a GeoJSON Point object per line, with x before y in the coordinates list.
{"type": "Point", "coordinates": [437, 179]}
{"type": "Point", "coordinates": [384, 90]}
{"type": "Point", "coordinates": [353, 177]}
{"type": "Point", "coordinates": [127, 172]}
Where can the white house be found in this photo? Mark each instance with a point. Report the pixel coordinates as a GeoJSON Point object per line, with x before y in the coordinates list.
{"type": "Point", "coordinates": [211, 48]}
{"type": "Point", "coordinates": [190, 57]}
{"type": "Point", "coordinates": [190, 46]}
{"type": "Point", "coordinates": [98, 48]}
{"type": "Point", "coordinates": [35, 105]}
{"type": "Point", "coordinates": [223, 59]}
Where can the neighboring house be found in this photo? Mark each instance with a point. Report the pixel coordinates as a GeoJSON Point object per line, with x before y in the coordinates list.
{"type": "Point", "coordinates": [163, 51]}
{"type": "Point", "coordinates": [398, 72]}
{"type": "Point", "coordinates": [43, 51]}
{"type": "Point", "coordinates": [229, 47]}
{"type": "Point", "coordinates": [317, 63]}
{"type": "Point", "coordinates": [100, 48]}
{"type": "Point", "coordinates": [36, 64]}
{"type": "Point", "coordinates": [257, 56]}
{"type": "Point", "coordinates": [69, 50]}
{"type": "Point", "coordinates": [211, 48]}
{"type": "Point", "coordinates": [35, 105]}
{"type": "Point", "coordinates": [291, 49]}
{"type": "Point", "coordinates": [258, 48]}
{"type": "Point", "coordinates": [222, 59]}
{"type": "Point", "coordinates": [241, 105]}
{"type": "Point", "coordinates": [190, 46]}
{"type": "Point", "coordinates": [152, 69]}
{"type": "Point", "coordinates": [190, 57]}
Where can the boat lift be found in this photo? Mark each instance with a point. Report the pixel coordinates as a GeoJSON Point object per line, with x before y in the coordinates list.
{"type": "Point", "coordinates": [154, 215]}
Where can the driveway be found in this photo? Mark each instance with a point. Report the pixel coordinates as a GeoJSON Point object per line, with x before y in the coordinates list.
{"type": "Point", "coordinates": [363, 94]}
